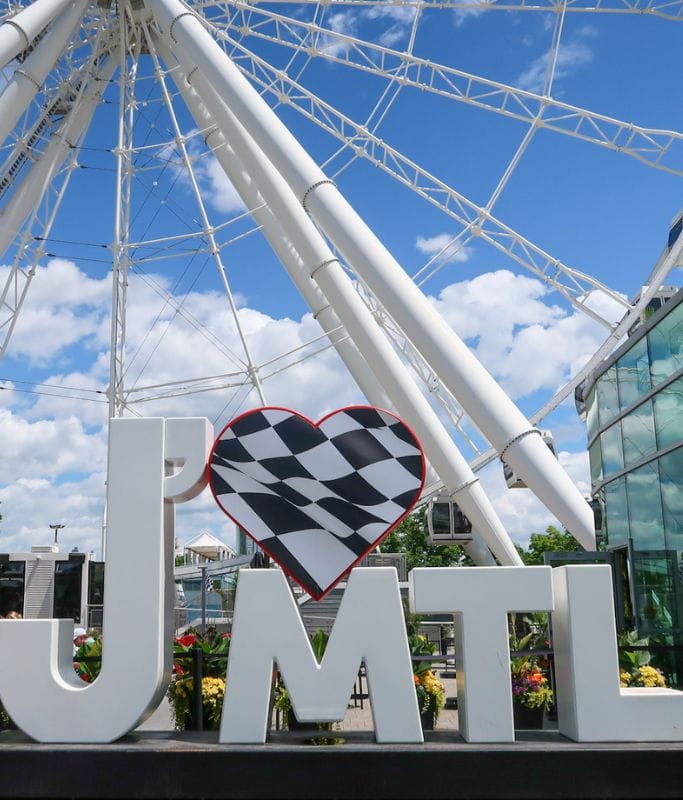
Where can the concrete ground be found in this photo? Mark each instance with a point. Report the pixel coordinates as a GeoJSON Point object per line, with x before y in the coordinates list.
{"type": "Point", "coordinates": [356, 719]}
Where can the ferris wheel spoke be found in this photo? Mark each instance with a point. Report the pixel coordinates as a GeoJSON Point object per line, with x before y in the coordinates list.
{"type": "Point", "coordinates": [574, 285]}
{"type": "Point", "coordinates": [432, 384]}
{"type": "Point", "coordinates": [207, 227]}
{"type": "Point", "coordinates": [655, 147]}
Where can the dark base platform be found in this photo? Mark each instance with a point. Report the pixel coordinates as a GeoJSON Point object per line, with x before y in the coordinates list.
{"type": "Point", "coordinates": [170, 765]}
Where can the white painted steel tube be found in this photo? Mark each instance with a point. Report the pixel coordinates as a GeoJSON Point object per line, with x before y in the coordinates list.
{"type": "Point", "coordinates": [28, 194]}
{"type": "Point", "coordinates": [29, 77]}
{"type": "Point", "coordinates": [17, 33]}
{"type": "Point", "coordinates": [277, 239]}
{"type": "Point", "coordinates": [284, 250]}
{"type": "Point", "coordinates": [479, 394]}
{"type": "Point", "coordinates": [335, 285]}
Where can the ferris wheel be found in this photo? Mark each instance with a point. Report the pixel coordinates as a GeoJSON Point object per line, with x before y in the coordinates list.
{"type": "Point", "coordinates": [314, 131]}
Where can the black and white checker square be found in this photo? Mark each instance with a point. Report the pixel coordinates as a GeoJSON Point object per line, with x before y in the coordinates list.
{"type": "Point", "coordinates": [317, 497]}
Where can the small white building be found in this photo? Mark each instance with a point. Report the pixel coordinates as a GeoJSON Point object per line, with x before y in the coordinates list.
{"type": "Point", "coordinates": [205, 547]}
{"type": "Point", "coordinates": [46, 583]}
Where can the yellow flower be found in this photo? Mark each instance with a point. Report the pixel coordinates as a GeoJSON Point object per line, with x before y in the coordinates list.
{"type": "Point", "coordinates": [649, 676]}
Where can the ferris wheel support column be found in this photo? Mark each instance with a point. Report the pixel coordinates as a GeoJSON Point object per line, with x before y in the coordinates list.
{"type": "Point", "coordinates": [208, 229]}
{"type": "Point", "coordinates": [284, 250]}
{"type": "Point", "coordinates": [29, 77]}
{"type": "Point", "coordinates": [324, 268]}
{"type": "Point", "coordinates": [17, 33]}
{"type": "Point", "coordinates": [120, 252]}
{"type": "Point", "coordinates": [485, 402]}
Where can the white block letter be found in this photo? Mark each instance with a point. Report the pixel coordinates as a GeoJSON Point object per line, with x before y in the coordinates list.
{"type": "Point", "coordinates": [369, 627]}
{"type": "Point", "coordinates": [480, 599]}
{"type": "Point", "coordinates": [590, 705]}
{"type": "Point", "coordinates": [38, 685]}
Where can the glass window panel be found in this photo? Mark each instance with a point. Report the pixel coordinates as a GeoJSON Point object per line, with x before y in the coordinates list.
{"type": "Point", "coordinates": [638, 433]}
{"type": "Point", "coordinates": [67, 590]}
{"type": "Point", "coordinates": [12, 575]}
{"type": "Point", "coordinates": [610, 445]}
{"type": "Point", "coordinates": [595, 458]}
{"type": "Point", "coordinates": [671, 476]}
{"type": "Point", "coordinates": [665, 342]}
{"type": "Point", "coordinates": [616, 511]}
{"type": "Point", "coordinates": [608, 398]}
{"type": "Point", "coordinates": [669, 414]}
{"type": "Point", "coordinates": [96, 583]}
{"type": "Point", "coordinates": [655, 592]}
{"type": "Point", "coordinates": [645, 508]}
{"type": "Point", "coordinates": [592, 414]}
{"type": "Point", "coordinates": [633, 374]}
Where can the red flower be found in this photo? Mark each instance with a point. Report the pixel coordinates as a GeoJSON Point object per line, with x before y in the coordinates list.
{"type": "Point", "coordinates": [187, 640]}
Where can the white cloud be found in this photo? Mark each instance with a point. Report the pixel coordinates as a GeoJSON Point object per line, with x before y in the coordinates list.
{"type": "Point", "coordinates": [342, 22]}
{"type": "Point", "coordinates": [461, 15]}
{"type": "Point", "coordinates": [216, 186]}
{"type": "Point", "coordinates": [525, 342]}
{"type": "Point", "coordinates": [572, 56]}
{"type": "Point", "coordinates": [49, 440]}
{"type": "Point", "coordinates": [519, 510]}
{"type": "Point", "coordinates": [442, 245]}
{"type": "Point", "coordinates": [401, 18]}
{"type": "Point", "coordinates": [46, 448]}
{"type": "Point", "coordinates": [63, 306]}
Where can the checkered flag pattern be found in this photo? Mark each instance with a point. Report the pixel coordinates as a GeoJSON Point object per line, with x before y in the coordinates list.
{"type": "Point", "coordinates": [317, 498]}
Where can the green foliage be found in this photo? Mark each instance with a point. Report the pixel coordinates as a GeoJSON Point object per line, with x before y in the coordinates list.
{"type": "Point", "coordinates": [529, 672]}
{"type": "Point", "coordinates": [431, 694]}
{"type": "Point", "coordinates": [215, 648]}
{"type": "Point", "coordinates": [412, 538]}
{"type": "Point", "coordinates": [553, 540]}
{"type": "Point", "coordinates": [630, 660]}
{"type": "Point", "coordinates": [319, 643]}
{"type": "Point", "coordinates": [417, 644]}
{"type": "Point", "coordinates": [6, 723]}
{"type": "Point", "coordinates": [179, 560]}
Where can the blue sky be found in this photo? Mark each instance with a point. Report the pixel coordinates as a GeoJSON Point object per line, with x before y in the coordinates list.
{"type": "Point", "coordinates": [596, 210]}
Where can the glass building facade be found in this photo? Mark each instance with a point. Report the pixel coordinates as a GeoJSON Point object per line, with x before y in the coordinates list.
{"type": "Point", "coordinates": [634, 415]}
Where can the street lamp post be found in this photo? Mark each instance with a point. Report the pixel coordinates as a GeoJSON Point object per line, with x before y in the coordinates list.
{"type": "Point", "coordinates": [56, 528]}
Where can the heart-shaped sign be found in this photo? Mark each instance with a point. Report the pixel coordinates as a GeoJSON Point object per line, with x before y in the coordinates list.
{"type": "Point", "coordinates": [317, 497]}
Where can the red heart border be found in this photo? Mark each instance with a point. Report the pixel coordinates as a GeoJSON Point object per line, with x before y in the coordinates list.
{"type": "Point", "coordinates": [317, 425]}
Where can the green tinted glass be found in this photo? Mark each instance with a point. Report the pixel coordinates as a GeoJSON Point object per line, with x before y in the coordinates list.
{"type": "Point", "coordinates": [645, 508]}
{"type": "Point", "coordinates": [610, 445]}
{"type": "Point", "coordinates": [608, 397]}
{"type": "Point", "coordinates": [665, 343]}
{"type": "Point", "coordinates": [616, 509]}
{"type": "Point", "coordinates": [669, 414]}
{"type": "Point", "coordinates": [671, 476]}
{"type": "Point", "coordinates": [633, 374]}
{"type": "Point", "coordinates": [638, 433]}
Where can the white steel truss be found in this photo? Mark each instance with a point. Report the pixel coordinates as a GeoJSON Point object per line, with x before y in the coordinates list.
{"type": "Point", "coordinates": [668, 9]}
{"type": "Point", "coordinates": [656, 147]}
